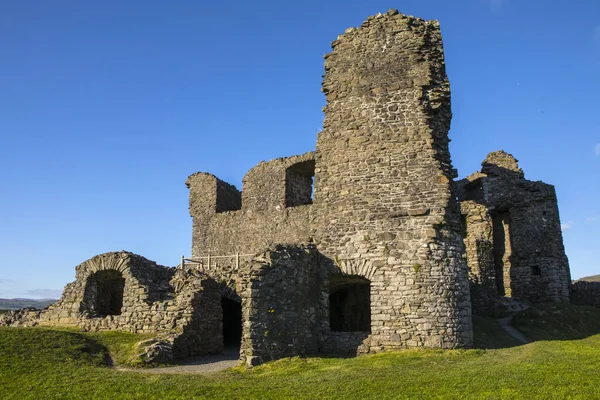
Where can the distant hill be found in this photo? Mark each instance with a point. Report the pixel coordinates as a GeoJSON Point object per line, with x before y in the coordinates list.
{"type": "Point", "coordinates": [15, 304]}
{"type": "Point", "coordinates": [593, 278]}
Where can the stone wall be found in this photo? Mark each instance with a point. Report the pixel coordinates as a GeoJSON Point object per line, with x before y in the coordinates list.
{"type": "Point", "coordinates": [478, 238]}
{"type": "Point", "coordinates": [586, 293]}
{"type": "Point", "coordinates": [383, 194]}
{"type": "Point", "coordinates": [528, 253]}
{"type": "Point", "coordinates": [280, 299]}
{"type": "Point", "coordinates": [264, 219]}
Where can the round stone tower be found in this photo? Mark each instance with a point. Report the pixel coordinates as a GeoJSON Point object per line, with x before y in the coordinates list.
{"type": "Point", "coordinates": [384, 204]}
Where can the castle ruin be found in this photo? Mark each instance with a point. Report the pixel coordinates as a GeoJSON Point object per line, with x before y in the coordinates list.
{"type": "Point", "coordinates": [366, 244]}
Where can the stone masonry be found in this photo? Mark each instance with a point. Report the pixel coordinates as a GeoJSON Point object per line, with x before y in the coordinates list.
{"type": "Point", "coordinates": [586, 293]}
{"type": "Point", "coordinates": [383, 210]}
{"type": "Point", "coordinates": [366, 244]}
{"type": "Point", "coordinates": [513, 235]}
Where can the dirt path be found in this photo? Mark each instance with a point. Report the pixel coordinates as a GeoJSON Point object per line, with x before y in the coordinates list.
{"type": "Point", "coordinates": [199, 365]}
{"type": "Point", "coordinates": [506, 323]}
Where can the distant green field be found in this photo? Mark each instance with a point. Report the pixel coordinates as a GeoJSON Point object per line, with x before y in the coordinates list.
{"type": "Point", "coordinates": [593, 278]}
{"type": "Point", "coordinates": [15, 304]}
{"type": "Point", "coordinates": [38, 363]}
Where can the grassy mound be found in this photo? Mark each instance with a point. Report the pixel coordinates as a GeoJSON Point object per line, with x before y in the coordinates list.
{"type": "Point", "coordinates": [42, 363]}
{"type": "Point", "coordinates": [558, 321]}
{"type": "Point", "coordinates": [120, 345]}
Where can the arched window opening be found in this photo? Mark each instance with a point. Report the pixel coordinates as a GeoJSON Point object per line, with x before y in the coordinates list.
{"type": "Point", "coordinates": [299, 183]}
{"type": "Point", "coordinates": [350, 305]}
{"type": "Point", "coordinates": [104, 293]}
{"type": "Point", "coordinates": [232, 322]}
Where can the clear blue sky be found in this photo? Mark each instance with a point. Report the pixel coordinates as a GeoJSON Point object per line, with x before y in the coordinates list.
{"type": "Point", "coordinates": [106, 108]}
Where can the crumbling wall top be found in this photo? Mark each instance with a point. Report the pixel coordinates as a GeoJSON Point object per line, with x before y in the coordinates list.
{"type": "Point", "coordinates": [267, 185]}
{"type": "Point", "coordinates": [210, 195]}
{"type": "Point", "coordinates": [386, 53]}
{"type": "Point", "coordinates": [500, 163]}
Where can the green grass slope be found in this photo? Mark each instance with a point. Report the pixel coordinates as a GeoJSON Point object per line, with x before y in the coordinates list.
{"type": "Point", "coordinates": [37, 363]}
{"type": "Point", "coordinates": [593, 278]}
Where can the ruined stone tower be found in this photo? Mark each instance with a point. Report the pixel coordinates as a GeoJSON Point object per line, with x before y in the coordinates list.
{"type": "Point", "coordinates": [383, 181]}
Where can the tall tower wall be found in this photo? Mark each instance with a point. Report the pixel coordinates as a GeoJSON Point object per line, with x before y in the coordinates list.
{"type": "Point", "coordinates": [385, 208]}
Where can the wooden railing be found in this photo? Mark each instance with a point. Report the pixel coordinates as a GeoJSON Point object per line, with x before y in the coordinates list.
{"type": "Point", "coordinates": [205, 262]}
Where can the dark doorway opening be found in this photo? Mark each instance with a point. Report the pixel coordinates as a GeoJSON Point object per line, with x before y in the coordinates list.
{"type": "Point", "coordinates": [232, 322]}
{"type": "Point", "coordinates": [104, 293]}
{"type": "Point", "coordinates": [350, 305]}
{"type": "Point", "coordinates": [502, 251]}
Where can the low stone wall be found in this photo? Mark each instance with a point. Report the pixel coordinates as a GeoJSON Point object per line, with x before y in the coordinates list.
{"type": "Point", "coordinates": [586, 293]}
{"type": "Point", "coordinates": [21, 318]}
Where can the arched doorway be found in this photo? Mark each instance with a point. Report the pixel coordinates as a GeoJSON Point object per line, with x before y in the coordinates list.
{"type": "Point", "coordinates": [103, 293]}
{"type": "Point", "coordinates": [350, 304]}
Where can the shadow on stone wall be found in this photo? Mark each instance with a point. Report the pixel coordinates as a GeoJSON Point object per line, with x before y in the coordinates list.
{"type": "Point", "coordinates": [201, 333]}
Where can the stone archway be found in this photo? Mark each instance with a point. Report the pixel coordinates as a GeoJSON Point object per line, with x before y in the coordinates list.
{"type": "Point", "coordinates": [103, 294]}
{"type": "Point", "coordinates": [350, 304]}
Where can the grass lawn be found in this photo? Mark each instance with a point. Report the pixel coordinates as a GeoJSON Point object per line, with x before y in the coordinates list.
{"type": "Point", "coordinates": [37, 363]}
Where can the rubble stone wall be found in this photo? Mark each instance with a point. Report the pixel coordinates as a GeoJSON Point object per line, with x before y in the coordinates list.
{"type": "Point", "coordinates": [528, 250]}
{"type": "Point", "coordinates": [478, 238]}
{"type": "Point", "coordinates": [264, 218]}
{"type": "Point", "coordinates": [586, 293]}
{"type": "Point", "coordinates": [280, 298]}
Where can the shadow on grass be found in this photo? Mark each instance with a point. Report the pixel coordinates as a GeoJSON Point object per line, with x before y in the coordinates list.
{"type": "Point", "coordinates": [550, 321]}
{"type": "Point", "coordinates": [52, 347]}
{"type": "Point", "coordinates": [558, 321]}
